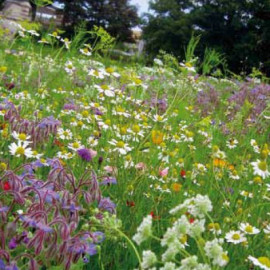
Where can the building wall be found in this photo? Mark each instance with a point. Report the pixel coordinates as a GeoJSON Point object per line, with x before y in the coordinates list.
{"type": "Point", "coordinates": [17, 10]}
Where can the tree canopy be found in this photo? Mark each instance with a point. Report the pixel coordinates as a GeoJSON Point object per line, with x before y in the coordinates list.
{"type": "Point", "coordinates": [116, 16]}
{"type": "Point", "coordinates": [237, 28]}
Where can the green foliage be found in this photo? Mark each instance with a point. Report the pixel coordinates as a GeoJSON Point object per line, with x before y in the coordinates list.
{"type": "Point", "coordinates": [238, 29]}
{"type": "Point", "coordinates": [212, 60]}
{"type": "Point", "coordinates": [103, 40]}
{"type": "Point", "coordinates": [168, 60]}
{"type": "Point", "coordinates": [30, 25]}
{"type": "Point", "coordinates": [42, 3]}
{"type": "Point", "coordinates": [192, 45]}
{"type": "Point", "coordinates": [116, 16]}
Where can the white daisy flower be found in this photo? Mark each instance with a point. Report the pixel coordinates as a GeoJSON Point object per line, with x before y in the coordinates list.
{"type": "Point", "coordinates": [64, 134]}
{"type": "Point", "coordinates": [260, 168]}
{"type": "Point", "coordinates": [231, 143]}
{"type": "Point", "coordinates": [262, 262]}
{"type": "Point", "coordinates": [159, 118]}
{"type": "Point", "coordinates": [85, 51]}
{"type": "Point", "coordinates": [21, 137]}
{"type": "Point", "coordinates": [248, 229]}
{"type": "Point", "coordinates": [20, 149]}
{"type": "Point", "coordinates": [235, 237]}
{"type": "Point", "coordinates": [120, 147]}
{"type": "Point", "coordinates": [96, 73]}
{"type": "Point", "coordinates": [75, 146]}
{"type": "Point", "coordinates": [69, 68]}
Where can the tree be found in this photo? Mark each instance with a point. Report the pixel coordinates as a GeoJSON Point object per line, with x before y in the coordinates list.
{"type": "Point", "coordinates": [237, 28]}
{"type": "Point", "coordinates": [116, 16]}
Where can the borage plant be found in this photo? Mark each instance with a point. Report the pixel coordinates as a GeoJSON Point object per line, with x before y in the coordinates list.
{"type": "Point", "coordinates": [47, 222]}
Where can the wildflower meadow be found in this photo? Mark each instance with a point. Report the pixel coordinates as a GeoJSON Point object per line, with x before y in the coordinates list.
{"type": "Point", "coordinates": [112, 164]}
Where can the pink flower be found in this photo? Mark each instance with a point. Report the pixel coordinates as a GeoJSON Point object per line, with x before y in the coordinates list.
{"type": "Point", "coordinates": [140, 166]}
{"type": "Point", "coordinates": [110, 169]}
{"type": "Point", "coordinates": [163, 172]}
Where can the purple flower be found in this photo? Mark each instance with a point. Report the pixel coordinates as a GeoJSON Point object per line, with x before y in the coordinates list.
{"type": "Point", "coordinates": [72, 208]}
{"type": "Point", "coordinates": [109, 181]}
{"type": "Point", "coordinates": [91, 249]}
{"type": "Point", "coordinates": [3, 209]}
{"type": "Point", "coordinates": [107, 204]}
{"type": "Point", "coordinates": [2, 265]}
{"type": "Point", "coordinates": [12, 244]}
{"type": "Point", "coordinates": [13, 266]}
{"type": "Point", "coordinates": [86, 154]}
{"type": "Point", "coordinates": [70, 106]}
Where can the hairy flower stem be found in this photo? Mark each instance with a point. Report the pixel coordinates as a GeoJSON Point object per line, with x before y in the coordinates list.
{"type": "Point", "coordinates": [131, 244]}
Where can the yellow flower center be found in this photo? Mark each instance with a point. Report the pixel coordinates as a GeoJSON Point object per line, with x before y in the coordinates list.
{"type": "Point", "coordinates": [236, 236]}
{"type": "Point", "coordinates": [120, 109]}
{"type": "Point", "coordinates": [136, 128]}
{"type": "Point", "coordinates": [110, 70]}
{"type": "Point", "coordinates": [3, 166]}
{"type": "Point", "coordinates": [65, 133]}
{"type": "Point", "coordinates": [225, 257]}
{"type": "Point", "coordinates": [264, 261]}
{"type": "Point", "coordinates": [262, 165]}
{"type": "Point", "coordinates": [22, 136]}
{"type": "Point", "coordinates": [138, 81]}
{"type": "Point", "coordinates": [20, 151]}
{"type": "Point", "coordinates": [85, 113]}
{"type": "Point", "coordinates": [80, 123]}
{"type": "Point", "coordinates": [159, 118]}
{"type": "Point", "coordinates": [123, 130]}
{"type": "Point", "coordinates": [249, 229]}
{"type": "Point", "coordinates": [108, 122]}
{"type": "Point", "coordinates": [120, 144]}
{"type": "Point", "coordinates": [75, 145]}
{"type": "Point", "coordinates": [69, 66]}
{"type": "Point", "coordinates": [104, 87]}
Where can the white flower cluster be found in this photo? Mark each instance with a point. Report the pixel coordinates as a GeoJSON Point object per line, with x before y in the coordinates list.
{"type": "Point", "coordinates": [144, 231]}
{"type": "Point", "coordinates": [197, 206]}
{"type": "Point", "coordinates": [176, 238]}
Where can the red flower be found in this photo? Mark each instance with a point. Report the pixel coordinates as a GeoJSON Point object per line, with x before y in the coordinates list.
{"type": "Point", "coordinates": [7, 186]}
{"type": "Point", "coordinates": [183, 174]}
{"type": "Point", "coordinates": [130, 203]}
{"type": "Point", "coordinates": [154, 216]}
{"type": "Point", "coordinates": [191, 220]}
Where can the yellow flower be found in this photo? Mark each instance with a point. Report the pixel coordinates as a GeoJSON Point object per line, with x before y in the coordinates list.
{"type": "Point", "coordinates": [176, 187]}
{"type": "Point", "coordinates": [3, 69]}
{"type": "Point", "coordinates": [3, 166]}
{"type": "Point", "coordinates": [157, 137]}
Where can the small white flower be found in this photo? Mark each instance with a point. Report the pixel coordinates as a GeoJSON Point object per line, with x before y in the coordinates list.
{"type": "Point", "coordinates": [69, 68]}
{"type": "Point", "coordinates": [260, 168]}
{"type": "Point", "coordinates": [64, 134]}
{"type": "Point", "coordinates": [248, 229]}
{"type": "Point", "coordinates": [235, 237]}
{"type": "Point", "coordinates": [20, 149]}
{"type": "Point", "coordinates": [231, 143]}
{"type": "Point", "coordinates": [21, 137]}
{"type": "Point", "coordinates": [262, 262]}
{"type": "Point", "coordinates": [144, 231]}
{"type": "Point", "coordinates": [148, 259]}
{"type": "Point", "coordinates": [120, 147]}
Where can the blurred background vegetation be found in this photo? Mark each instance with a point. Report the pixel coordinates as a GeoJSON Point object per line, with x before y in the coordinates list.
{"type": "Point", "coordinates": [238, 31]}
